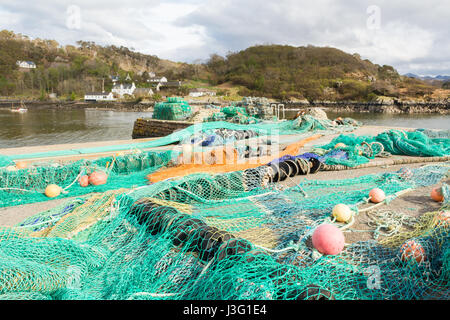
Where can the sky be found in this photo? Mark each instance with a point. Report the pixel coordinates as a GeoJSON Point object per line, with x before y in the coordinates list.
{"type": "Point", "coordinates": [413, 36]}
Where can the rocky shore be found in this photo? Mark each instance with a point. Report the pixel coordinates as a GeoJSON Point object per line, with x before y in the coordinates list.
{"type": "Point", "coordinates": [377, 107]}
{"type": "Point", "coordinates": [118, 106]}
{"type": "Point", "coordinates": [390, 106]}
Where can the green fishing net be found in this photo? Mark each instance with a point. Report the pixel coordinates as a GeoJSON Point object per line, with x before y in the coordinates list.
{"type": "Point", "coordinates": [28, 185]}
{"type": "Point", "coordinates": [172, 109]}
{"type": "Point", "coordinates": [5, 161]}
{"type": "Point", "coordinates": [392, 142]}
{"type": "Point", "coordinates": [224, 236]}
{"type": "Point", "coordinates": [302, 125]}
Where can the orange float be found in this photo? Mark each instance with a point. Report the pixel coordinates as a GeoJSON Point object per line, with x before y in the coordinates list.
{"type": "Point", "coordinates": [377, 195]}
{"type": "Point", "coordinates": [412, 250]}
{"type": "Point", "coordinates": [98, 178]}
{"type": "Point", "coordinates": [21, 165]}
{"type": "Point", "coordinates": [436, 194]}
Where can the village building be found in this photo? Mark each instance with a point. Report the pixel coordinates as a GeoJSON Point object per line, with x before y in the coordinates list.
{"type": "Point", "coordinates": [26, 64]}
{"type": "Point", "coordinates": [114, 79]}
{"type": "Point", "coordinates": [157, 79]}
{"type": "Point", "coordinates": [143, 92]}
{"type": "Point", "coordinates": [99, 96]}
{"type": "Point", "coordinates": [201, 92]}
{"type": "Point", "coordinates": [171, 84]}
{"type": "Point", "coordinates": [123, 89]}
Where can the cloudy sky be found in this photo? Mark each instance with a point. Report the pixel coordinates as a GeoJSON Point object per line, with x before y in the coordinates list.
{"type": "Point", "coordinates": [413, 36]}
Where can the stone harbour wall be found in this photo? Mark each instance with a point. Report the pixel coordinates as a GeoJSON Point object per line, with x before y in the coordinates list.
{"type": "Point", "coordinates": [149, 128]}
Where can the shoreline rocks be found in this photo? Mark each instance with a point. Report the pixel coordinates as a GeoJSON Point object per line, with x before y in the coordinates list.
{"type": "Point", "coordinates": [389, 106]}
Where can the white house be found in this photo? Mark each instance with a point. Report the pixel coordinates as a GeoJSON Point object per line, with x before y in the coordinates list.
{"type": "Point", "coordinates": [157, 79]}
{"type": "Point", "coordinates": [114, 78]}
{"type": "Point", "coordinates": [122, 89]}
{"type": "Point", "coordinates": [26, 64]}
{"type": "Point", "coordinates": [200, 92]}
{"type": "Point", "coordinates": [99, 96]}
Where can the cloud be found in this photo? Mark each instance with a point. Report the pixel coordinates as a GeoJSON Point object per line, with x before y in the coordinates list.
{"type": "Point", "coordinates": [412, 36]}
{"type": "Point", "coordinates": [407, 33]}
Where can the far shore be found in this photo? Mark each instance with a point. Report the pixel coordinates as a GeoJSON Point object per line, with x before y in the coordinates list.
{"type": "Point", "coordinates": [439, 107]}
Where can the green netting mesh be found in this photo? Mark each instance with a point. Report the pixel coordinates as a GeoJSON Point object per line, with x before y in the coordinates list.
{"type": "Point", "coordinates": [28, 185]}
{"type": "Point", "coordinates": [302, 125]}
{"type": "Point", "coordinates": [360, 149]}
{"type": "Point", "coordinates": [172, 109]}
{"type": "Point", "coordinates": [226, 236]}
{"type": "Point", "coordinates": [5, 161]}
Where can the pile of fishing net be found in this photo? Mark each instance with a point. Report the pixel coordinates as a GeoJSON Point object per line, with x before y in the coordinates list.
{"type": "Point", "coordinates": [233, 114]}
{"type": "Point", "coordinates": [351, 150]}
{"type": "Point", "coordinates": [308, 126]}
{"type": "Point", "coordinates": [27, 185]}
{"type": "Point", "coordinates": [172, 109]}
{"type": "Point", "coordinates": [222, 236]}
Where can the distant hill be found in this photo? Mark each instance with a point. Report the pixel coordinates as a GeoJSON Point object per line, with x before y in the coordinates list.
{"type": "Point", "coordinates": [73, 70]}
{"type": "Point", "coordinates": [312, 73]}
{"type": "Point", "coordinates": [274, 71]}
{"type": "Point", "coordinates": [439, 77]}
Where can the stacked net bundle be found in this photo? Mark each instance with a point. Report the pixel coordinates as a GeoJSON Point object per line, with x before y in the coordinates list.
{"type": "Point", "coordinates": [223, 236]}
{"type": "Point", "coordinates": [172, 109]}
{"type": "Point", "coordinates": [359, 149]}
{"type": "Point", "coordinates": [28, 185]}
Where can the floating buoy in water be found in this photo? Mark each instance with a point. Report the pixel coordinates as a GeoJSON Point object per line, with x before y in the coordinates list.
{"type": "Point", "coordinates": [342, 212]}
{"type": "Point", "coordinates": [21, 165]}
{"type": "Point", "coordinates": [328, 239]}
{"type": "Point", "coordinates": [436, 194]}
{"type": "Point", "coordinates": [412, 250]}
{"type": "Point", "coordinates": [84, 181]}
{"type": "Point", "coordinates": [340, 145]}
{"type": "Point", "coordinates": [377, 195]}
{"type": "Point", "coordinates": [98, 178]}
{"type": "Point", "coordinates": [52, 190]}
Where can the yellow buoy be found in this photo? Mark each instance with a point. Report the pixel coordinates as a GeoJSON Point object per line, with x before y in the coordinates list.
{"type": "Point", "coordinates": [342, 212]}
{"type": "Point", "coordinates": [52, 191]}
{"type": "Point", "coordinates": [340, 145]}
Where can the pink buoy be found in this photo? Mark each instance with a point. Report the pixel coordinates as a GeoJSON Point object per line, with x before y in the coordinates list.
{"type": "Point", "coordinates": [377, 195]}
{"type": "Point", "coordinates": [84, 181]}
{"type": "Point", "coordinates": [328, 239]}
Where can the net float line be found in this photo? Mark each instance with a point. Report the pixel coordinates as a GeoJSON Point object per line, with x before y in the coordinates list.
{"type": "Point", "coordinates": [386, 162]}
